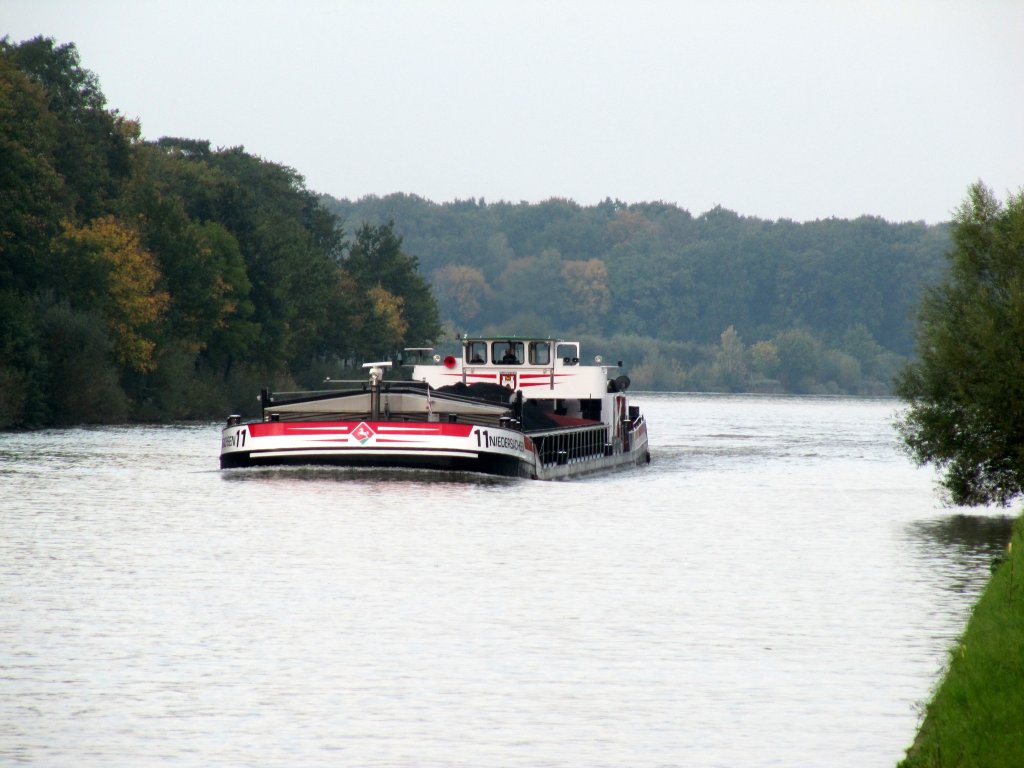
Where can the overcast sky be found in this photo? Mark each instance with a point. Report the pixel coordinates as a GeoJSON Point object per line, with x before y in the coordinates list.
{"type": "Point", "coordinates": [771, 108]}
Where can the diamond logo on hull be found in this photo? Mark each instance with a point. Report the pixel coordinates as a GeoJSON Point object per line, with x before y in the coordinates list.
{"type": "Point", "coordinates": [363, 432]}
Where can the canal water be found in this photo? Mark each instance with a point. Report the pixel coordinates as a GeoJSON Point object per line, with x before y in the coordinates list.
{"type": "Point", "coordinates": [779, 587]}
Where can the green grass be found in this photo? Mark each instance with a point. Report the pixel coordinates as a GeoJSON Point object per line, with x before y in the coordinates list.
{"type": "Point", "coordinates": [976, 717]}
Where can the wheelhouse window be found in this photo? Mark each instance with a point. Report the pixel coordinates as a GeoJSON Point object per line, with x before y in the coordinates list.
{"type": "Point", "coordinates": [476, 352]}
{"type": "Point", "coordinates": [540, 353]}
{"type": "Point", "coordinates": [507, 352]}
{"type": "Point", "coordinates": [570, 353]}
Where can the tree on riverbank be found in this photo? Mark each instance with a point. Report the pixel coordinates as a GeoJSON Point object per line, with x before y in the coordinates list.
{"type": "Point", "coordinates": [162, 280]}
{"type": "Point", "coordinates": [966, 391]}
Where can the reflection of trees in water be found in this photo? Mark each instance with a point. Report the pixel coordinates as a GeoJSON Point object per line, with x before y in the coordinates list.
{"type": "Point", "coordinates": [972, 533]}
{"type": "Point", "coordinates": [961, 547]}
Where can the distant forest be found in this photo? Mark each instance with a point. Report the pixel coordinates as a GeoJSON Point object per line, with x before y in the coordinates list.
{"type": "Point", "coordinates": [155, 280]}
{"type": "Point", "coordinates": [716, 302]}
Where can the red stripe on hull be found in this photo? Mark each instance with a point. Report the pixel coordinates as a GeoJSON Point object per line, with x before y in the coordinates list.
{"type": "Point", "coordinates": [342, 429]}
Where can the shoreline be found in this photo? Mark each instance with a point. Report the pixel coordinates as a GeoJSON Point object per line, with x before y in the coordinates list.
{"type": "Point", "coordinates": [976, 714]}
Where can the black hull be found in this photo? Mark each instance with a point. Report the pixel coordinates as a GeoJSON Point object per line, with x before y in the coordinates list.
{"type": "Point", "coordinates": [488, 464]}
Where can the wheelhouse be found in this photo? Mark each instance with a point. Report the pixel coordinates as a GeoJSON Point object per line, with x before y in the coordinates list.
{"type": "Point", "coordinates": [545, 371]}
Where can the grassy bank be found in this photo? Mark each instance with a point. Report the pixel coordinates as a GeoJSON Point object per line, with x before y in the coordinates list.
{"type": "Point", "coordinates": [976, 717]}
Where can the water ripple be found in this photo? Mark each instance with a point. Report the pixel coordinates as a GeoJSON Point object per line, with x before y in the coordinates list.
{"type": "Point", "coordinates": [778, 587]}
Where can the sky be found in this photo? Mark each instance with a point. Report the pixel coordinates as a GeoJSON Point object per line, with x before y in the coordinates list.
{"type": "Point", "coordinates": [796, 109]}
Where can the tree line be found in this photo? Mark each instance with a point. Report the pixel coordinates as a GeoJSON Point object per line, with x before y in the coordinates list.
{"type": "Point", "coordinates": [717, 301]}
{"type": "Point", "coordinates": [161, 279]}
{"type": "Point", "coordinates": [165, 280]}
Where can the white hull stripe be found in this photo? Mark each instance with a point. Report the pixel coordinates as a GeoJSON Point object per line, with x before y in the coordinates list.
{"type": "Point", "coordinates": [256, 453]}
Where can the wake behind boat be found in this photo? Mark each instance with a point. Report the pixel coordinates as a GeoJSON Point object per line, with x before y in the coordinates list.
{"type": "Point", "coordinates": [507, 406]}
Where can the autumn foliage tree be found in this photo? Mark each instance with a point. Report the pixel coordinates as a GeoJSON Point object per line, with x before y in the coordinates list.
{"type": "Point", "coordinates": [586, 288]}
{"type": "Point", "coordinates": [392, 302]}
{"type": "Point", "coordinates": [463, 291]}
{"type": "Point", "coordinates": [107, 269]}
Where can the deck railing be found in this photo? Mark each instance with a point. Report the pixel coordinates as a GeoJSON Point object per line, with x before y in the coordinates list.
{"type": "Point", "coordinates": [569, 445]}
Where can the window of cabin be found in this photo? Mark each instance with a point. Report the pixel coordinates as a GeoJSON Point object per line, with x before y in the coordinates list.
{"type": "Point", "coordinates": [540, 353]}
{"type": "Point", "coordinates": [476, 352]}
{"type": "Point", "coordinates": [507, 352]}
{"type": "Point", "coordinates": [570, 353]}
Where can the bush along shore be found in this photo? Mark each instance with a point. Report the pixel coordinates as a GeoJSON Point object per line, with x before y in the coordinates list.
{"type": "Point", "coordinates": [976, 717]}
